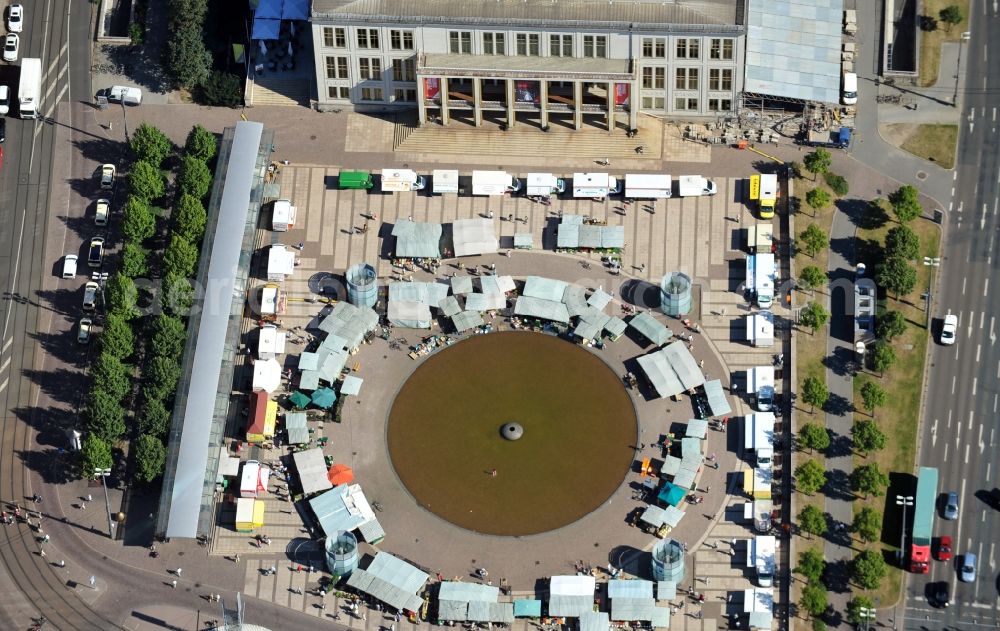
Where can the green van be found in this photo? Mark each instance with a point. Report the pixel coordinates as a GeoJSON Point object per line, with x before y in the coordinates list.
{"type": "Point", "coordinates": [355, 179]}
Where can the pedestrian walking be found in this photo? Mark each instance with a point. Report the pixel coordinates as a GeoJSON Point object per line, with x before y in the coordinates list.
{"type": "Point", "coordinates": [733, 543]}
{"type": "Point", "coordinates": [364, 617]}
{"type": "Point", "coordinates": [173, 584]}
{"type": "Point", "coordinates": [236, 559]}
{"type": "Point", "coordinates": [41, 553]}
{"type": "Point", "coordinates": [62, 563]}
{"type": "Point", "coordinates": [177, 571]}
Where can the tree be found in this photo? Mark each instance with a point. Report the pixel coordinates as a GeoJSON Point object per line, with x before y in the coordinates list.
{"type": "Point", "coordinates": [873, 396]}
{"type": "Point", "coordinates": [177, 294]}
{"type": "Point", "coordinates": [123, 296]}
{"type": "Point", "coordinates": [815, 392]}
{"type": "Point", "coordinates": [810, 477]}
{"type": "Point", "coordinates": [134, 260]}
{"type": "Point", "coordinates": [814, 436]}
{"type": "Point", "coordinates": [902, 241]}
{"type": "Point", "coordinates": [905, 202]}
{"type": "Point", "coordinates": [814, 239]}
{"type": "Point", "coordinates": [897, 275]}
{"type": "Point", "coordinates": [138, 223]}
{"type": "Point", "coordinates": [868, 479]}
{"type": "Point", "coordinates": [221, 89]}
{"type": "Point", "coordinates": [814, 316]}
{"type": "Point", "coordinates": [951, 15]}
{"type": "Point", "coordinates": [111, 376]}
{"type": "Point", "coordinates": [883, 357]}
{"type": "Point", "coordinates": [867, 436]}
{"type": "Point", "coordinates": [169, 335]}
{"type": "Point", "coordinates": [188, 61]}
{"type": "Point", "coordinates": [105, 416]}
{"type": "Point", "coordinates": [855, 606]}
{"type": "Point", "coordinates": [818, 624]}
{"type": "Point", "coordinates": [867, 524]}
{"type": "Point", "coordinates": [837, 184]}
{"type": "Point", "coordinates": [201, 144]}
{"type": "Point", "coordinates": [180, 257]}
{"type": "Point", "coordinates": [890, 324]}
{"type": "Point", "coordinates": [812, 563]}
{"type": "Point", "coordinates": [149, 458]}
{"type": "Point", "coordinates": [95, 453]}
{"type": "Point", "coordinates": [190, 218]}
{"type": "Point", "coordinates": [868, 569]}
{"type": "Point", "coordinates": [194, 177]}
{"type": "Point", "coordinates": [812, 277]}
{"type": "Point", "coordinates": [818, 162]}
{"type": "Point", "coordinates": [116, 338]}
{"type": "Point", "coordinates": [162, 376]}
{"type": "Point", "coordinates": [812, 521]}
{"type": "Point", "coordinates": [150, 144]}
{"type": "Point", "coordinates": [813, 599]}
{"type": "Point", "coordinates": [146, 181]}
{"type": "Point", "coordinates": [155, 417]}
{"type": "Point", "coordinates": [818, 198]}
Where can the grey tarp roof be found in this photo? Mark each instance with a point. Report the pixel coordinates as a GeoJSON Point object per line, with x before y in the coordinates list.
{"type": "Point", "coordinates": [491, 612]}
{"type": "Point", "coordinates": [198, 401]}
{"type": "Point", "coordinates": [372, 531]}
{"type": "Point", "coordinates": [309, 380]}
{"type": "Point", "coordinates": [595, 621]}
{"type": "Point", "coordinates": [393, 581]}
{"type": "Point", "coordinates": [298, 435]}
{"type": "Point", "coordinates": [696, 428]}
{"type": "Point", "coordinates": [599, 299]}
{"type": "Point", "coordinates": [661, 617]}
{"type": "Point", "coordinates": [717, 401]}
{"type": "Point", "coordinates": [410, 315]}
{"type": "Point", "coordinates": [685, 479]}
{"type": "Point", "coordinates": [492, 284]}
{"type": "Point", "coordinates": [467, 320]}
{"type": "Point", "coordinates": [666, 590]}
{"type": "Point", "coordinates": [684, 365]}
{"type": "Point", "coordinates": [344, 507]}
{"type": "Point", "coordinates": [671, 370]}
{"type": "Point", "coordinates": [474, 236]}
{"type": "Point", "coordinates": [312, 470]}
{"type": "Point", "coordinates": [295, 419]}
{"type": "Point", "coordinates": [331, 364]}
{"type": "Point", "coordinates": [574, 234]}
{"type": "Point", "coordinates": [417, 240]}
{"type": "Point", "coordinates": [430, 294]}
{"type": "Point", "coordinates": [632, 609]}
{"type": "Point", "coordinates": [449, 306]}
{"type": "Point", "coordinates": [615, 326]}
{"type": "Point", "coordinates": [351, 385]}
{"type": "Point", "coordinates": [671, 465]}
{"type": "Point", "coordinates": [468, 592]}
{"type": "Point", "coordinates": [472, 601]}
{"type": "Point", "coordinates": [544, 288]}
{"type": "Point", "coordinates": [538, 308]}
{"type": "Point", "coordinates": [568, 235]}
{"type": "Point", "coordinates": [630, 588]}
{"type": "Point", "coordinates": [651, 328]}
{"type": "Point", "coordinates": [308, 361]}
{"type": "Point", "coordinates": [759, 604]}
{"type": "Point", "coordinates": [793, 48]}
{"type": "Point", "coordinates": [295, 424]}
{"type": "Point", "coordinates": [691, 447]}
{"type": "Point", "coordinates": [349, 322]}
{"type": "Point", "coordinates": [461, 285]}
{"type": "Point", "coordinates": [523, 240]}
{"type": "Point", "coordinates": [587, 331]}
{"type": "Point", "coordinates": [485, 302]}
{"type": "Point", "coordinates": [571, 596]}
{"type": "Point", "coordinates": [672, 516]}
{"type": "Point", "coordinates": [653, 515]}
{"type": "Point", "coordinates": [575, 299]}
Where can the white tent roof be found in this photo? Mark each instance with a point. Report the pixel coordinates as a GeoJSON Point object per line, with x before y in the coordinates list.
{"type": "Point", "coordinates": [266, 375]}
{"type": "Point", "coordinates": [544, 288]}
{"type": "Point", "coordinates": [461, 285]}
{"type": "Point", "coordinates": [497, 284]}
{"type": "Point", "coordinates": [672, 370]}
{"type": "Point", "coordinates": [417, 240]}
{"type": "Point", "coordinates": [484, 302]}
{"type": "Point", "coordinates": [351, 385]}
{"type": "Point", "coordinates": [280, 260]}
{"type": "Point", "coordinates": [391, 580]}
{"type": "Point", "coordinates": [411, 315]}
{"type": "Point", "coordinates": [538, 308]}
{"type": "Point", "coordinates": [270, 340]}
{"type": "Point", "coordinates": [312, 470]}
{"type": "Point", "coordinates": [599, 299]}
{"type": "Point", "coordinates": [474, 236]}
{"type": "Point", "coordinates": [571, 595]}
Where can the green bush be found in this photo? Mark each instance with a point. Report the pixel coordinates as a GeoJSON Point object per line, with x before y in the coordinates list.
{"type": "Point", "coordinates": [111, 376]}
{"type": "Point", "coordinates": [221, 89]}
{"type": "Point", "coordinates": [201, 144]}
{"type": "Point", "coordinates": [149, 458]}
{"type": "Point", "coordinates": [138, 223]}
{"type": "Point", "coordinates": [162, 375]}
{"type": "Point", "coordinates": [155, 417]}
{"type": "Point", "coordinates": [169, 335]}
{"type": "Point", "coordinates": [194, 178]}
{"type": "Point", "coordinates": [146, 181]}
{"type": "Point", "coordinates": [190, 218]}
{"type": "Point", "coordinates": [117, 338]}
{"type": "Point", "coordinates": [122, 296]}
{"type": "Point", "coordinates": [187, 60]}
{"type": "Point", "coordinates": [150, 144]}
{"type": "Point", "coordinates": [136, 33]}
{"type": "Point", "coordinates": [134, 264]}
{"type": "Point", "coordinates": [105, 416]}
{"type": "Point", "coordinates": [95, 453]}
{"type": "Point", "coordinates": [177, 294]}
{"type": "Point", "coordinates": [180, 258]}
{"type": "Point", "coordinates": [837, 183]}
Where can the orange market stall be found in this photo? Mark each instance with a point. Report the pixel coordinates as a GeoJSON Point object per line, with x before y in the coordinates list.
{"type": "Point", "coordinates": [340, 474]}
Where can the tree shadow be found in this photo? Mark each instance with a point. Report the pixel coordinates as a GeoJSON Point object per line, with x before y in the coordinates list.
{"type": "Point", "coordinates": [59, 384]}
{"type": "Point", "coordinates": [839, 405]}
{"type": "Point", "coordinates": [838, 485]}
{"type": "Point", "coordinates": [840, 445]}
{"type": "Point", "coordinates": [837, 576]}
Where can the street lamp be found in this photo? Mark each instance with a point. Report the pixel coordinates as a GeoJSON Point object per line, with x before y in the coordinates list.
{"type": "Point", "coordinates": [966, 36]}
{"type": "Point", "coordinates": [867, 614]}
{"type": "Point", "coordinates": [103, 474]}
{"type": "Point", "coordinates": [930, 262]}
{"type": "Point", "coordinates": [903, 501]}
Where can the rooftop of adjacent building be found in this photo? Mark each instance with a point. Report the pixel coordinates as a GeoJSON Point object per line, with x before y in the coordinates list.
{"type": "Point", "coordinates": [594, 14]}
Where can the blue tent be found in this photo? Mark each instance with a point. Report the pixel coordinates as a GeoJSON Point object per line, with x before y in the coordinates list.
{"type": "Point", "coordinates": [268, 9]}
{"type": "Point", "coordinates": [671, 494]}
{"type": "Point", "coordinates": [527, 608]}
{"type": "Point", "coordinates": [295, 10]}
{"type": "Point", "coordinates": [324, 398]}
{"type": "Point", "coordinates": [266, 28]}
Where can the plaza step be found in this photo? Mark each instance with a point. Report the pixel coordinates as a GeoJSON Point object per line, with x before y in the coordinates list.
{"type": "Point", "coordinates": [269, 90]}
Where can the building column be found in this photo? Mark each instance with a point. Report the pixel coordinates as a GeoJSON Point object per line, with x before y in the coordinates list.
{"type": "Point", "coordinates": [445, 114]}
{"type": "Point", "coordinates": [578, 105]}
{"type": "Point", "coordinates": [543, 96]}
{"type": "Point", "coordinates": [633, 105]}
{"type": "Point", "coordinates": [611, 106]}
{"type": "Point", "coordinates": [477, 101]}
{"type": "Point", "coordinates": [421, 101]}
{"type": "Point", "coordinates": [511, 112]}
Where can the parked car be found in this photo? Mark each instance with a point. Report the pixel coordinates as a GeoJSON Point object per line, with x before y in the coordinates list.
{"type": "Point", "coordinates": [83, 330]}
{"type": "Point", "coordinates": [3, 129]}
{"type": "Point", "coordinates": [107, 176]}
{"type": "Point", "coordinates": [69, 266]}
{"type": "Point", "coordinates": [949, 328]}
{"type": "Point", "coordinates": [90, 296]}
{"type": "Point", "coordinates": [102, 212]}
{"type": "Point", "coordinates": [944, 548]}
{"type": "Point", "coordinates": [15, 18]}
{"type": "Point", "coordinates": [95, 253]}
{"type": "Point", "coordinates": [4, 100]}
{"type": "Point", "coordinates": [951, 505]}
{"type": "Point", "coordinates": [967, 572]}
{"type": "Point", "coordinates": [122, 94]}
{"type": "Point", "coordinates": [11, 46]}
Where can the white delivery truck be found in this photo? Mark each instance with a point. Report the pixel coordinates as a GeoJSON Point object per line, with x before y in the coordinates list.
{"type": "Point", "coordinates": [401, 181]}
{"type": "Point", "coordinates": [647, 186]}
{"type": "Point", "coordinates": [444, 181]}
{"type": "Point", "coordinates": [695, 186]}
{"type": "Point", "coordinates": [758, 437]}
{"type": "Point", "coordinates": [760, 385]}
{"type": "Point", "coordinates": [29, 88]}
{"type": "Point", "coordinates": [544, 185]}
{"type": "Point", "coordinates": [494, 183]}
{"type": "Point", "coordinates": [760, 238]}
{"type": "Point", "coordinates": [595, 185]}
{"type": "Point", "coordinates": [283, 215]}
{"type": "Point", "coordinates": [761, 275]}
{"type": "Point", "coordinates": [759, 512]}
{"type": "Point", "coordinates": [762, 558]}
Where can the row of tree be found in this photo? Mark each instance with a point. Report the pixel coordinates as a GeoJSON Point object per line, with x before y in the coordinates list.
{"type": "Point", "coordinates": [867, 569]}
{"type": "Point", "coordinates": [189, 62]}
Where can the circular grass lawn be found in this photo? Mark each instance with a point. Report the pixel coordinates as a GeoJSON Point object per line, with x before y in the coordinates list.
{"type": "Point", "coordinates": [445, 442]}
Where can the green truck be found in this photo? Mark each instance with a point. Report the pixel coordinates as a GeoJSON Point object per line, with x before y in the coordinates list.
{"type": "Point", "coordinates": [355, 179]}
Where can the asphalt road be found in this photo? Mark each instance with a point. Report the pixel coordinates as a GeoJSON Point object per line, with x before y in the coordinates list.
{"type": "Point", "coordinates": [959, 425]}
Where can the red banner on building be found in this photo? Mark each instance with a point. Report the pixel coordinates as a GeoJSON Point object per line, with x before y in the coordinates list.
{"type": "Point", "coordinates": [432, 87]}
{"type": "Point", "coordinates": [528, 92]}
{"type": "Point", "coordinates": [621, 93]}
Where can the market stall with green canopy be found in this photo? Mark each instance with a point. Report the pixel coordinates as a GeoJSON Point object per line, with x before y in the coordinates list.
{"type": "Point", "coordinates": [324, 398]}
{"type": "Point", "coordinates": [671, 494]}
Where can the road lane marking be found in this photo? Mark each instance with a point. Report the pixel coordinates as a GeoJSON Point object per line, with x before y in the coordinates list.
{"type": "Point", "coordinates": [992, 550]}
{"type": "Point", "coordinates": [7, 344]}
{"type": "Point", "coordinates": [967, 454]}
{"type": "Point", "coordinates": [17, 264]}
{"type": "Point", "coordinates": [982, 319]}
{"type": "Point", "coordinates": [945, 458]}
{"type": "Point", "coordinates": [979, 555]}
{"type": "Point", "coordinates": [3, 386]}
{"type": "Point", "coordinates": [949, 419]}
{"type": "Point", "coordinates": [979, 348]}
{"type": "Point", "coordinates": [953, 380]}
{"type": "Point", "coordinates": [982, 219]}
{"type": "Point", "coordinates": [6, 363]}
{"type": "Point", "coordinates": [982, 445]}
{"type": "Point", "coordinates": [993, 335]}
{"type": "Point", "coordinates": [964, 280]}
{"type": "Point", "coordinates": [971, 416]}
{"type": "Point", "coordinates": [995, 398]}
{"type": "Point", "coordinates": [975, 384]}
{"type": "Point", "coordinates": [934, 433]}
{"type": "Point", "coordinates": [991, 437]}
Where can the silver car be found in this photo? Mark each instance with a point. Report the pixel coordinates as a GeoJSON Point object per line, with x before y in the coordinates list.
{"type": "Point", "coordinates": [967, 573]}
{"type": "Point", "coordinates": [951, 506]}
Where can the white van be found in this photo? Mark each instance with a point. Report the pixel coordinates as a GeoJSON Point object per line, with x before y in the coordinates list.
{"type": "Point", "coordinates": [122, 94]}
{"type": "Point", "coordinates": [850, 94]}
{"type": "Point", "coordinates": [4, 100]}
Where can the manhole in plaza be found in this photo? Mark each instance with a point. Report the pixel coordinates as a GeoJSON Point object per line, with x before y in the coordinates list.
{"type": "Point", "coordinates": [921, 175]}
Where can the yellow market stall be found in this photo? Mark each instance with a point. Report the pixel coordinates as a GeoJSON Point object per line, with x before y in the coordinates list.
{"type": "Point", "coordinates": [757, 483]}
{"type": "Point", "coordinates": [263, 416]}
{"type": "Point", "coordinates": [249, 514]}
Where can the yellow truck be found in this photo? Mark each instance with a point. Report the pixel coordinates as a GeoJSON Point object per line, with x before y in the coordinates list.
{"type": "Point", "coordinates": [764, 193]}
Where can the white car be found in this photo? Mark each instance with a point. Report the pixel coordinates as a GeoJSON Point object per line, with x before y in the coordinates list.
{"type": "Point", "coordinates": [102, 212]}
{"type": "Point", "coordinates": [107, 176]}
{"type": "Point", "coordinates": [10, 47]}
{"type": "Point", "coordinates": [90, 296]}
{"type": "Point", "coordinates": [948, 329]}
{"type": "Point", "coordinates": [83, 332]}
{"type": "Point", "coordinates": [69, 266]}
{"type": "Point", "coordinates": [15, 18]}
